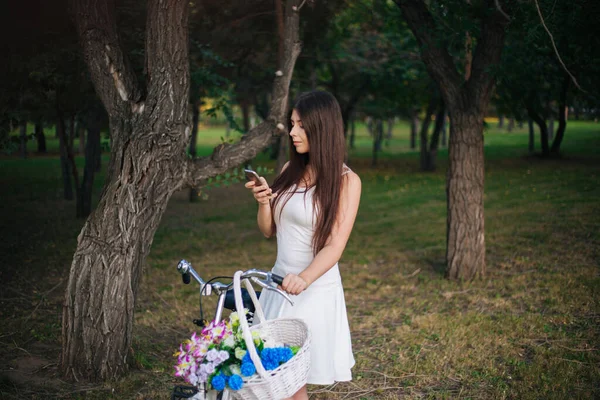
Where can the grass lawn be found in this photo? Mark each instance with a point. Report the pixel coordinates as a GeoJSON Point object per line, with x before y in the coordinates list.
{"type": "Point", "coordinates": [529, 330]}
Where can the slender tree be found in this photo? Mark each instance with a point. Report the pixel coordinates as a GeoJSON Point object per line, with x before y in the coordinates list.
{"type": "Point", "coordinates": [150, 131]}
{"type": "Point", "coordinates": [467, 99]}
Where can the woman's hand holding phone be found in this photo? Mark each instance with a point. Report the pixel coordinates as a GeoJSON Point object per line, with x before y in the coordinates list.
{"type": "Point", "coordinates": [260, 188]}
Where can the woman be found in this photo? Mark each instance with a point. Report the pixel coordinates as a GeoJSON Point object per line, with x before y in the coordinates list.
{"type": "Point", "coordinates": [311, 207]}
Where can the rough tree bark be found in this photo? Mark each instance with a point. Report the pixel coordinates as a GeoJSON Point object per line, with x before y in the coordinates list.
{"type": "Point", "coordinates": [467, 99]}
{"type": "Point", "coordinates": [562, 116]}
{"type": "Point", "coordinates": [150, 132]}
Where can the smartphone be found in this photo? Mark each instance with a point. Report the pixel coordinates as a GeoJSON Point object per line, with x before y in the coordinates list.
{"type": "Point", "coordinates": [253, 176]}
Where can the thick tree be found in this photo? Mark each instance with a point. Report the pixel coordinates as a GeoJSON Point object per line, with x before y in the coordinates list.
{"type": "Point", "coordinates": [466, 92]}
{"type": "Point", "coordinates": [150, 131]}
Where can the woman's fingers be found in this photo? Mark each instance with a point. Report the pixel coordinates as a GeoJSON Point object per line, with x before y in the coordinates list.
{"type": "Point", "coordinates": [293, 284]}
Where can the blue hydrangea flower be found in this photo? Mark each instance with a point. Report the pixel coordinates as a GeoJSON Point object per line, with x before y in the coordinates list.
{"type": "Point", "coordinates": [248, 369]}
{"type": "Point", "coordinates": [218, 382]}
{"type": "Point", "coordinates": [236, 382]}
{"type": "Point", "coordinates": [270, 364]}
{"type": "Point", "coordinates": [247, 358]}
{"type": "Point", "coordinates": [286, 354]}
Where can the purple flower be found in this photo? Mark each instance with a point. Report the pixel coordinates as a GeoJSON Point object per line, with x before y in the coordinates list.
{"type": "Point", "coordinates": [223, 355]}
{"type": "Point", "coordinates": [212, 355]}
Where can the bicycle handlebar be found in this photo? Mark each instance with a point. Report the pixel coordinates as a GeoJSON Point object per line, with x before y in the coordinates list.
{"type": "Point", "coordinates": [262, 278]}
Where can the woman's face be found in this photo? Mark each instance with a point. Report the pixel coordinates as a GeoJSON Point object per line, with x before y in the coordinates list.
{"type": "Point", "coordinates": [299, 135]}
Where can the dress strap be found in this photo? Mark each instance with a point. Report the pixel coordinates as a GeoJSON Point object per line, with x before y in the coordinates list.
{"type": "Point", "coordinates": [346, 169]}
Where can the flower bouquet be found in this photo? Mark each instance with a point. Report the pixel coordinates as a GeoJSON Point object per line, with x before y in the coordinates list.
{"type": "Point", "coordinates": [218, 357]}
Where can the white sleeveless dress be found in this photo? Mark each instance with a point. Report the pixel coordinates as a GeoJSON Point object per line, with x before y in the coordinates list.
{"type": "Point", "coordinates": [322, 306]}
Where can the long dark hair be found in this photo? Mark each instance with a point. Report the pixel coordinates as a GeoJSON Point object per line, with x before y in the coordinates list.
{"type": "Point", "coordinates": [322, 121]}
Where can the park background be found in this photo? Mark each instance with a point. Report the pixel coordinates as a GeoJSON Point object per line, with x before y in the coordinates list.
{"type": "Point", "coordinates": [527, 328]}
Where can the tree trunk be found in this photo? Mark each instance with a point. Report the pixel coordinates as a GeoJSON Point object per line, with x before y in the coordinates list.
{"type": "Point", "coordinates": [377, 139]}
{"type": "Point", "coordinates": [40, 137]}
{"type": "Point", "coordinates": [81, 133]}
{"type": "Point", "coordinates": [551, 126]}
{"type": "Point", "coordinates": [562, 116]}
{"type": "Point", "coordinates": [511, 124]}
{"type": "Point", "coordinates": [390, 130]}
{"type": "Point", "coordinates": [148, 140]}
{"type": "Point", "coordinates": [465, 252]}
{"type": "Point", "coordinates": [71, 135]}
{"type": "Point", "coordinates": [467, 101]}
{"type": "Point", "coordinates": [537, 118]}
{"type": "Point", "coordinates": [445, 129]}
{"type": "Point", "coordinates": [89, 170]}
{"type": "Point", "coordinates": [425, 133]}
{"type": "Point", "coordinates": [500, 121]}
{"type": "Point", "coordinates": [282, 154]}
{"type": "Point", "coordinates": [193, 195]}
{"type": "Point", "coordinates": [64, 157]}
{"type": "Point", "coordinates": [99, 153]}
{"type": "Point", "coordinates": [245, 105]}
{"type": "Point", "coordinates": [23, 138]}
{"type": "Point", "coordinates": [435, 137]}
{"type": "Point", "coordinates": [150, 130]}
{"type": "Point", "coordinates": [414, 126]}
{"type": "Point", "coordinates": [531, 135]}
{"type": "Point", "coordinates": [67, 153]}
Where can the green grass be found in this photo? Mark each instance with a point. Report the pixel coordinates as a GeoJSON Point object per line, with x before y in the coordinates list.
{"type": "Point", "coordinates": [528, 330]}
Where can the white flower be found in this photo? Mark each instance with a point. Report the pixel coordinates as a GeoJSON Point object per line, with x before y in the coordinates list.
{"type": "Point", "coordinates": [229, 341]}
{"type": "Point", "coordinates": [235, 369]}
{"type": "Point", "coordinates": [240, 353]}
{"type": "Point", "coordinates": [256, 337]}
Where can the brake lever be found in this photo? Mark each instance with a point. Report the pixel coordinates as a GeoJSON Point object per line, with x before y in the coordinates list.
{"type": "Point", "coordinates": [269, 287]}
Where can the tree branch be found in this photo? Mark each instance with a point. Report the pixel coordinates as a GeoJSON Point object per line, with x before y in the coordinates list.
{"type": "Point", "coordinates": [487, 53]}
{"type": "Point", "coordinates": [537, 6]}
{"type": "Point", "coordinates": [436, 58]}
{"type": "Point", "coordinates": [167, 57]}
{"type": "Point", "coordinates": [113, 77]}
{"type": "Point", "coordinates": [226, 156]}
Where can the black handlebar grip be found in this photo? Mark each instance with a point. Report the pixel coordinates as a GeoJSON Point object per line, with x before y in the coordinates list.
{"type": "Point", "coordinates": [277, 279]}
{"type": "Point", "coordinates": [186, 278]}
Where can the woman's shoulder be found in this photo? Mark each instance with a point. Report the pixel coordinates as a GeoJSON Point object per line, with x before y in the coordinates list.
{"type": "Point", "coordinates": [350, 179]}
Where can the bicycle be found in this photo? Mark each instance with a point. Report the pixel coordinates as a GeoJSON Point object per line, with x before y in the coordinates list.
{"type": "Point", "coordinates": [226, 300]}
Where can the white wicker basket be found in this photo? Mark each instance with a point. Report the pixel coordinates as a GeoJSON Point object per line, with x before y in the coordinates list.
{"type": "Point", "coordinates": [289, 377]}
